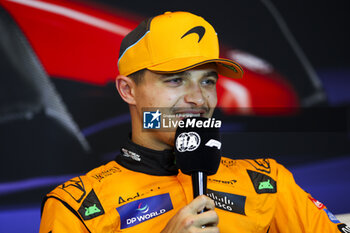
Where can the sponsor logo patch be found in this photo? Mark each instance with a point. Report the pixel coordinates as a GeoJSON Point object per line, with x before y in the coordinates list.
{"type": "Point", "coordinates": [227, 163]}
{"type": "Point", "coordinates": [227, 201]}
{"type": "Point", "coordinates": [106, 173]}
{"type": "Point", "coordinates": [199, 30]}
{"type": "Point", "coordinates": [92, 210]}
{"type": "Point", "coordinates": [137, 195]}
{"type": "Point", "coordinates": [91, 207]}
{"type": "Point", "coordinates": [262, 183]}
{"type": "Point", "coordinates": [145, 209]}
{"type": "Point", "coordinates": [265, 185]}
{"type": "Point", "coordinates": [130, 154]}
{"type": "Point", "coordinates": [227, 182]}
{"type": "Point", "coordinates": [344, 228]}
{"type": "Point", "coordinates": [75, 188]}
{"type": "Point", "coordinates": [317, 203]}
{"type": "Point", "coordinates": [331, 216]}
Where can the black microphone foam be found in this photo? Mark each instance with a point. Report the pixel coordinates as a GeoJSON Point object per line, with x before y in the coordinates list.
{"type": "Point", "coordinates": [197, 149]}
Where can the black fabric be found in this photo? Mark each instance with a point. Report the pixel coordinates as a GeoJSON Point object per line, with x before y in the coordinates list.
{"type": "Point", "coordinates": [206, 157]}
{"type": "Point", "coordinates": [135, 35]}
{"type": "Point", "coordinates": [142, 159]}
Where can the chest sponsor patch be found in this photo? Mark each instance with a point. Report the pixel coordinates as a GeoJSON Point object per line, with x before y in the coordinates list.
{"type": "Point", "coordinates": [344, 228]}
{"type": "Point", "coordinates": [331, 216]}
{"type": "Point", "coordinates": [317, 203]}
{"type": "Point", "coordinates": [106, 173]}
{"type": "Point", "coordinates": [91, 207]}
{"type": "Point", "coordinates": [142, 210]}
{"type": "Point", "coordinates": [262, 183]}
{"type": "Point", "coordinates": [228, 163]}
{"type": "Point", "coordinates": [225, 182]}
{"type": "Point", "coordinates": [227, 201]}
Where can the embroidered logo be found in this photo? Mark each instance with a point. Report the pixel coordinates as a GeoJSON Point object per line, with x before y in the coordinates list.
{"type": "Point", "coordinates": [317, 203]}
{"type": "Point", "coordinates": [227, 201]}
{"type": "Point", "coordinates": [265, 185]}
{"type": "Point", "coordinates": [91, 207]}
{"type": "Point", "coordinates": [199, 30]}
{"type": "Point", "coordinates": [91, 210]}
{"type": "Point", "coordinates": [142, 210]}
{"type": "Point", "coordinates": [262, 183]}
{"type": "Point", "coordinates": [331, 216]}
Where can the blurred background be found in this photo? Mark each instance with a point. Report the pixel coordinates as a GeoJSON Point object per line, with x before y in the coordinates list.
{"type": "Point", "coordinates": [60, 114]}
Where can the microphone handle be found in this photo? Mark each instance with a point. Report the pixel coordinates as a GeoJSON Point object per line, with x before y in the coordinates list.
{"type": "Point", "coordinates": [199, 184]}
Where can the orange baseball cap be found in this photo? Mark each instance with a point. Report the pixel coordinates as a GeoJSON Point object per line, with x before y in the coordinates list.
{"type": "Point", "coordinates": [173, 42]}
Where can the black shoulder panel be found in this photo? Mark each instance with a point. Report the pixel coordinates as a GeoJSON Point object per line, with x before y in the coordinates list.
{"type": "Point", "coordinates": [262, 183]}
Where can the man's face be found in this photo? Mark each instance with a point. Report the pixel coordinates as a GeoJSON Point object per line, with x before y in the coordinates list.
{"type": "Point", "coordinates": [188, 92]}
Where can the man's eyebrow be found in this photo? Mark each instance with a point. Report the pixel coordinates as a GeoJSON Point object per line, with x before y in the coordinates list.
{"type": "Point", "coordinates": [187, 73]}
{"type": "Point", "coordinates": [183, 73]}
{"type": "Point", "coordinates": [211, 74]}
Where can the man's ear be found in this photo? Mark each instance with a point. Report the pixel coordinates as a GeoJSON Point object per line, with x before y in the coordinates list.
{"type": "Point", "coordinates": [126, 88]}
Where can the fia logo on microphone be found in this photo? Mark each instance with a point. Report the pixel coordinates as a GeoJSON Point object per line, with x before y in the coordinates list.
{"type": "Point", "coordinates": [188, 141]}
{"type": "Point", "coordinates": [151, 120]}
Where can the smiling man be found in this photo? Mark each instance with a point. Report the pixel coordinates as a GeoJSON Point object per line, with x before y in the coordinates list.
{"type": "Point", "coordinates": [172, 62]}
{"type": "Point", "coordinates": [188, 92]}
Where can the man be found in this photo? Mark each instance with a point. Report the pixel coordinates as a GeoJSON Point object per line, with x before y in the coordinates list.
{"type": "Point", "coordinates": [172, 62]}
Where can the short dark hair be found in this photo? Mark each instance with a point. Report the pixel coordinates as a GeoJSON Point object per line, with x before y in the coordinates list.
{"type": "Point", "coordinates": [138, 76]}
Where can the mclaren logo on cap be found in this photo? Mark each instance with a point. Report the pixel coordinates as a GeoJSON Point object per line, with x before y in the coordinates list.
{"type": "Point", "coordinates": [199, 30]}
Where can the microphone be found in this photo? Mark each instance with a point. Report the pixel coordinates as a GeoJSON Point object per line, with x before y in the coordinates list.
{"type": "Point", "coordinates": [197, 151]}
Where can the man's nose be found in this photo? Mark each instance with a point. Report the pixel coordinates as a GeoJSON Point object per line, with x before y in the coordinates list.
{"type": "Point", "coordinates": [195, 96]}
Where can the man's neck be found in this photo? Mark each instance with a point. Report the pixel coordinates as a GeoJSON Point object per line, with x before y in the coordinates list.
{"type": "Point", "coordinates": [148, 140]}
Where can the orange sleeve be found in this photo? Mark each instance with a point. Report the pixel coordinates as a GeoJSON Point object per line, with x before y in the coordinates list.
{"type": "Point", "coordinates": [297, 211]}
{"type": "Point", "coordinates": [57, 218]}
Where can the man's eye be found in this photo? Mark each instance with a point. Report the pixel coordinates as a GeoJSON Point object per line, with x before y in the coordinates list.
{"type": "Point", "coordinates": [209, 82]}
{"type": "Point", "coordinates": [174, 81]}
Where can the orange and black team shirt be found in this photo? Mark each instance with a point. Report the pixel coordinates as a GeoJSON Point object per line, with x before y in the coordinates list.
{"type": "Point", "coordinates": [142, 190]}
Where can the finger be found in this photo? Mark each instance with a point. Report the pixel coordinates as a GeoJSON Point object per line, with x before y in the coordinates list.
{"type": "Point", "coordinates": [212, 229]}
{"type": "Point", "coordinates": [208, 218]}
{"type": "Point", "coordinates": [199, 203]}
{"type": "Point", "coordinates": [210, 204]}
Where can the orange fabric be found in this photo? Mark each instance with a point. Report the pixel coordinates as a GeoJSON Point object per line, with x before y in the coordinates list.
{"type": "Point", "coordinates": [58, 218]}
{"type": "Point", "coordinates": [244, 185]}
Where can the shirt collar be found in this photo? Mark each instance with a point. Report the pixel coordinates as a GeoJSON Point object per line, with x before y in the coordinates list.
{"type": "Point", "coordinates": [145, 160]}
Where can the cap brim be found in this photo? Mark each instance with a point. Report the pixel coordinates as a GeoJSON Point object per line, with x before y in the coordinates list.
{"type": "Point", "coordinates": [225, 67]}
